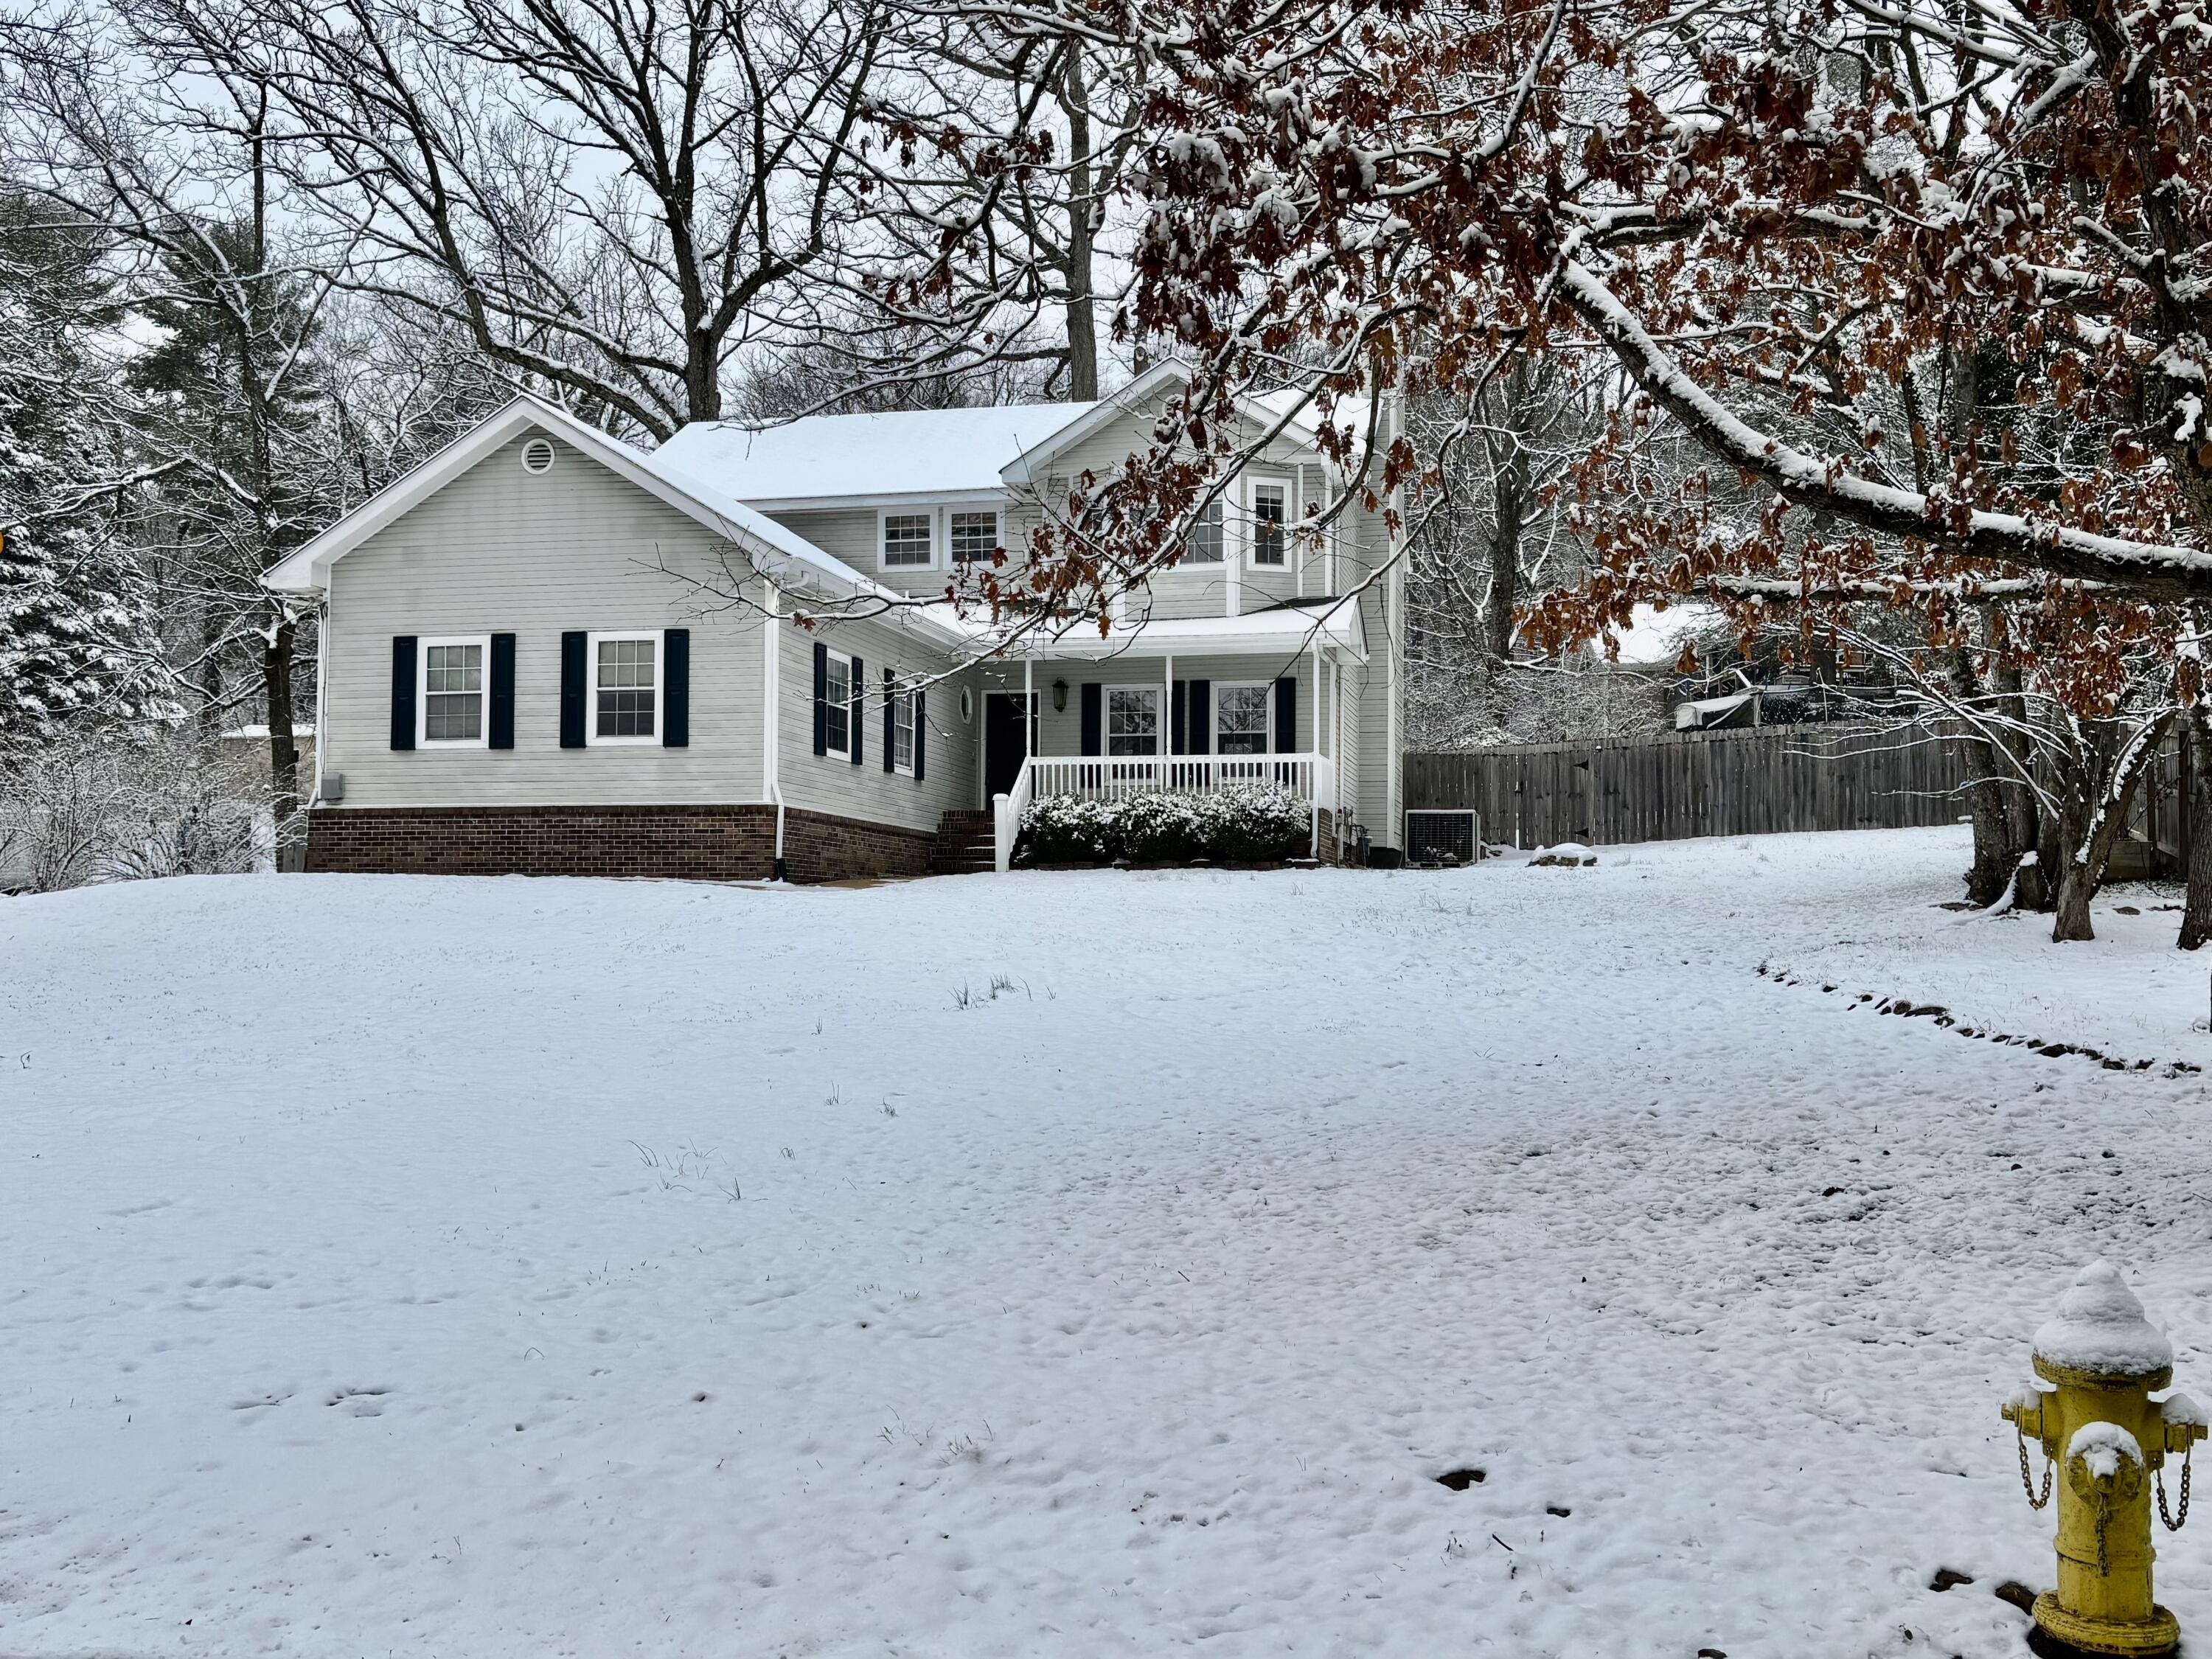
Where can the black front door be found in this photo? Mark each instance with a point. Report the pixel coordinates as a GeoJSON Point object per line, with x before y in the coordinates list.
{"type": "Point", "coordinates": [1003, 751]}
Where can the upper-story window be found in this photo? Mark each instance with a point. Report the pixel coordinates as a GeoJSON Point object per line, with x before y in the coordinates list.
{"type": "Point", "coordinates": [1270, 518]}
{"type": "Point", "coordinates": [453, 682]}
{"type": "Point", "coordinates": [1205, 543]}
{"type": "Point", "coordinates": [972, 537]}
{"type": "Point", "coordinates": [625, 688]}
{"type": "Point", "coordinates": [907, 540]}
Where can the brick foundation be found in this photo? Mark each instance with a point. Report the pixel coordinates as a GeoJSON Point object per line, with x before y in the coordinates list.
{"type": "Point", "coordinates": [682, 843]}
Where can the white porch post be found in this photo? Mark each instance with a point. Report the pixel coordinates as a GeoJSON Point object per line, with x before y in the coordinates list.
{"type": "Point", "coordinates": [1028, 690]}
{"type": "Point", "coordinates": [1316, 743]}
{"type": "Point", "coordinates": [1167, 716]}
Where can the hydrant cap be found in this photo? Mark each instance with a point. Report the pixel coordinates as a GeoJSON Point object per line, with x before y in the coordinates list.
{"type": "Point", "coordinates": [2101, 1328]}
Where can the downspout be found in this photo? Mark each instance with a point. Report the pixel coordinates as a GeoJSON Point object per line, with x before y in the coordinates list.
{"type": "Point", "coordinates": [771, 711]}
{"type": "Point", "coordinates": [322, 675]}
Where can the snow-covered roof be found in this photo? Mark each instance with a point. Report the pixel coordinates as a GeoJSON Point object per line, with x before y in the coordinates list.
{"type": "Point", "coordinates": [918, 452]}
{"type": "Point", "coordinates": [924, 453]}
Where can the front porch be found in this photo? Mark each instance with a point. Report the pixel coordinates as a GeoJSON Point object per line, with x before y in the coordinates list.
{"type": "Point", "coordinates": [1112, 723]}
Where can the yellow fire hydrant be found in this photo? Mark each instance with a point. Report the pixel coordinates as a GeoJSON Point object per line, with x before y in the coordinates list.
{"type": "Point", "coordinates": [2106, 1440]}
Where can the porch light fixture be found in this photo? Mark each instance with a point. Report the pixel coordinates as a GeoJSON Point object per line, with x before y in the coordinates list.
{"type": "Point", "coordinates": [1060, 696]}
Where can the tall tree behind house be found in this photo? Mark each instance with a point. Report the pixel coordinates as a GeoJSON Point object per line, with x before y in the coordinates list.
{"type": "Point", "coordinates": [76, 633]}
{"type": "Point", "coordinates": [617, 201]}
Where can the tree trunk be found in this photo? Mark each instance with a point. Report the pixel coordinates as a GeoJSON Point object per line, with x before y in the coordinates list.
{"type": "Point", "coordinates": [2196, 829]}
{"type": "Point", "coordinates": [283, 748]}
{"type": "Point", "coordinates": [2097, 799]}
{"type": "Point", "coordinates": [1082, 302]}
{"type": "Point", "coordinates": [1504, 561]}
{"type": "Point", "coordinates": [1995, 857]}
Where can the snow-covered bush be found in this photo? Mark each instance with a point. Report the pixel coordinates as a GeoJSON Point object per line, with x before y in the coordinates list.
{"type": "Point", "coordinates": [1163, 829]}
{"type": "Point", "coordinates": [1250, 823]}
{"type": "Point", "coordinates": [1068, 830]}
{"type": "Point", "coordinates": [1257, 822]}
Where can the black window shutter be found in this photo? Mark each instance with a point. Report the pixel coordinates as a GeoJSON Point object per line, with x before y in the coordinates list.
{"type": "Point", "coordinates": [891, 716]}
{"type": "Point", "coordinates": [572, 697]}
{"type": "Point", "coordinates": [1094, 717]}
{"type": "Point", "coordinates": [675, 688]}
{"type": "Point", "coordinates": [501, 735]}
{"type": "Point", "coordinates": [919, 726]}
{"type": "Point", "coordinates": [859, 684]}
{"type": "Point", "coordinates": [1177, 743]}
{"type": "Point", "coordinates": [403, 690]}
{"type": "Point", "coordinates": [821, 698]}
{"type": "Point", "coordinates": [1201, 716]}
{"type": "Point", "coordinates": [1286, 717]}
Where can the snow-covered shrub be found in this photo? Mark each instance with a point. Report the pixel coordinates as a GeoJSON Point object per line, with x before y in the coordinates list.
{"type": "Point", "coordinates": [1163, 829]}
{"type": "Point", "coordinates": [1068, 830]}
{"type": "Point", "coordinates": [1257, 824]}
{"type": "Point", "coordinates": [1250, 823]}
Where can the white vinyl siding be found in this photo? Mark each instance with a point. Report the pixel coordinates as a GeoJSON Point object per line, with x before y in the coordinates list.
{"type": "Point", "coordinates": [538, 556]}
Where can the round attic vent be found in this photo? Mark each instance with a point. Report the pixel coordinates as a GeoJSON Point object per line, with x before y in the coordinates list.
{"type": "Point", "coordinates": [537, 455]}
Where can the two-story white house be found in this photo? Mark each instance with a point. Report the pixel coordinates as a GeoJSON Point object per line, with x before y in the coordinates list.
{"type": "Point", "coordinates": [545, 651]}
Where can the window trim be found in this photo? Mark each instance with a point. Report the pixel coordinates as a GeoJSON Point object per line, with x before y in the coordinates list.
{"type": "Point", "coordinates": [1252, 487]}
{"type": "Point", "coordinates": [928, 514]}
{"type": "Point", "coordinates": [1159, 722]}
{"type": "Point", "coordinates": [851, 705]}
{"type": "Point", "coordinates": [1267, 689]}
{"type": "Point", "coordinates": [998, 533]}
{"type": "Point", "coordinates": [591, 642]}
{"type": "Point", "coordinates": [422, 739]}
{"type": "Point", "coordinates": [903, 703]}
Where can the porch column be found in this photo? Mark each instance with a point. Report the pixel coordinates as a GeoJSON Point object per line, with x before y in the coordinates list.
{"type": "Point", "coordinates": [1028, 690]}
{"type": "Point", "coordinates": [1167, 717]}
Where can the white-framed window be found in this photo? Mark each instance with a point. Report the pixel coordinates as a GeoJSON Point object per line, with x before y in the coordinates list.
{"type": "Point", "coordinates": [907, 542]}
{"type": "Point", "coordinates": [1271, 518]}
{"type": "Point", "coordinates": [1241, 714]}
{"type": "Point", "coordinates": [1133, 720]}
{"type": "Point", "coordinates": [971, 534]}
{"type": "Point", "coordinates": [625, 689]}
{"type": "Point", "coordinates": [838, 705]}
{"type": "Point", "coordinates": [452, 681]}
{"type": "Point", "coordinates": [1205, 543]}
{"type": "Point", "coordinates": [902, 734]}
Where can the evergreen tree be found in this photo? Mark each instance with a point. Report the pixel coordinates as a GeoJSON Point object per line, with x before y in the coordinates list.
{"type": "Point", "coordinates": [75, 633]}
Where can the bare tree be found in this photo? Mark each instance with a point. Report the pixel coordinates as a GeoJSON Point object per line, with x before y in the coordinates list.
{"type": "Point", "coordinates": [616, 199]}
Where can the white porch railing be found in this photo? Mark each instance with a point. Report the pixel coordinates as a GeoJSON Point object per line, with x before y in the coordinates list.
{"type": "Point", "coordinates": [1113, 777]}
{"type": "Point", "coordinates": [1007, 821]}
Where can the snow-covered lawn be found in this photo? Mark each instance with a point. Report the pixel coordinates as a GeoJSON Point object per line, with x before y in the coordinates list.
{"type": "Point", "coordinates": [1099, 1264]}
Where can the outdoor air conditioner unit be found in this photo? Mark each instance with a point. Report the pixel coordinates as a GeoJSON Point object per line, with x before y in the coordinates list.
{"type": "Point", "coordinates": [1445, 835]}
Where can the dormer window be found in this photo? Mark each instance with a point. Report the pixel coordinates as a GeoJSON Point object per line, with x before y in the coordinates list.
{"type": "Point", "coordinates": [907, 541]}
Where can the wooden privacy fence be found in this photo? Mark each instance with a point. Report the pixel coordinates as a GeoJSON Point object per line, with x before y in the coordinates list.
{"type": "Point", "coordinates": [1678, 785]}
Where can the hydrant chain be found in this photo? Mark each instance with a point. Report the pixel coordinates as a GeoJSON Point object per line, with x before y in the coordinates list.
{"type": "Point", "coordinates": [2027, 1481]}
{"type": "Point", "coordinates": [2174, 1523]}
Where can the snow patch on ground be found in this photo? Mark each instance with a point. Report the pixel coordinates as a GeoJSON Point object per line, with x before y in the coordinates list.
{"type": "Point", "coordinates": [1102, 1263]}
